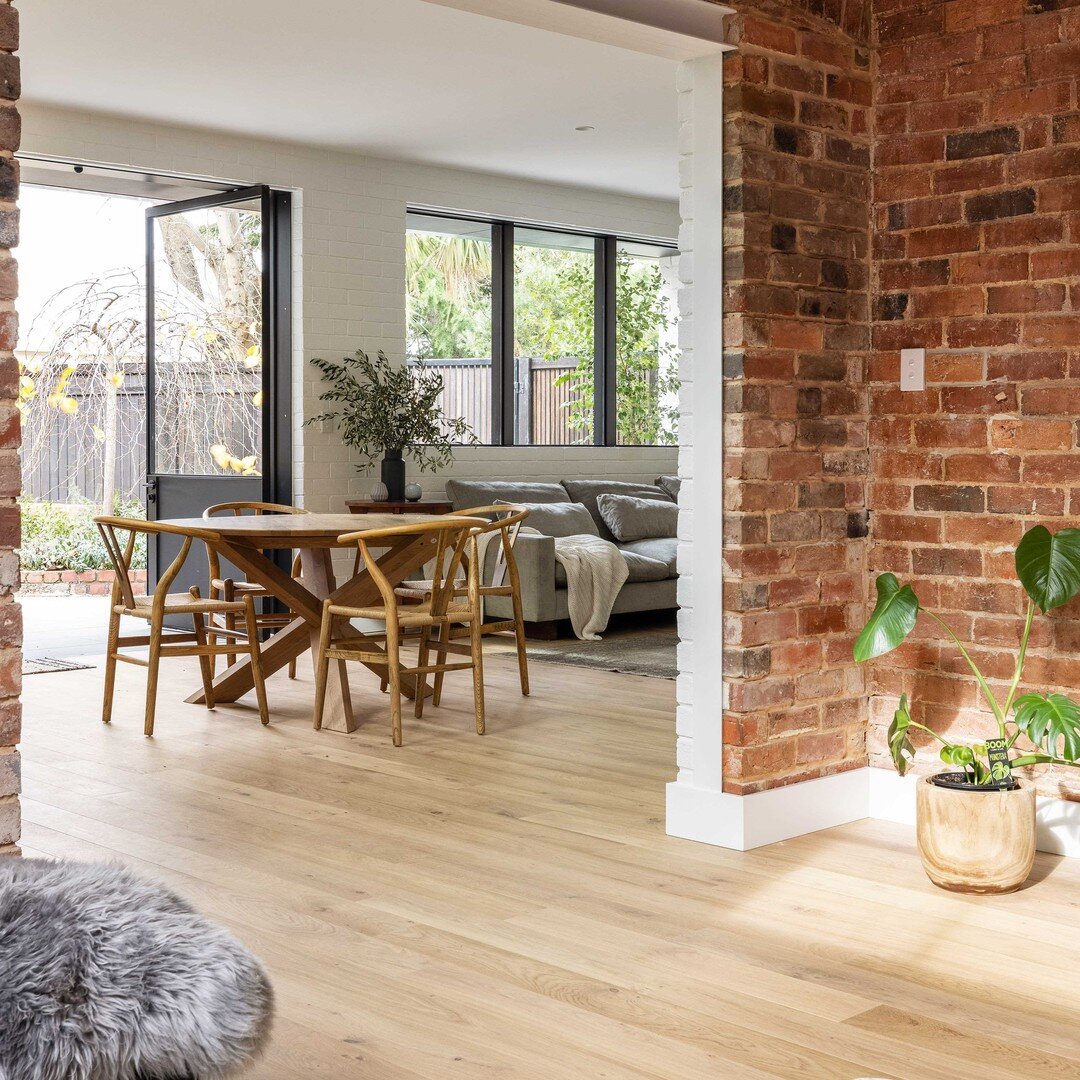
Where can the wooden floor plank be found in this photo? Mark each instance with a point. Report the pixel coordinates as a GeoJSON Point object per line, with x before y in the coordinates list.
{"type": "Point", "coordinates": [509, 906]}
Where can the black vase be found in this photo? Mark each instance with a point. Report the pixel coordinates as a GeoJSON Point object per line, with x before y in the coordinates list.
{"type": "Point", "coordinates": [393, 475]}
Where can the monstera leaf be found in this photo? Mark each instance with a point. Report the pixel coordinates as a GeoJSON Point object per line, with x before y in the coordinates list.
{"type": "Point", "coordinates": [1048, 565]}
{"type": "Point", "coordinates": [953, 754]}
{"type": "Point", "coordinates": [1049, 719]}
{"type": "Point", "coordinates": [891, 620]}
{"type": "Point", "coordinates": [900, 746]}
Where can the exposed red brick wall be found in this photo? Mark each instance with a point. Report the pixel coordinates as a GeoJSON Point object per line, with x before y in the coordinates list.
{"type": "Point", "coordinates": [977, 257]}
{"type": "Point", "coordinates": [76, 582]}
{"type": "Point", "coordinates": [797, 155]}
{"type": "Point", "coordinates": [10, 615]}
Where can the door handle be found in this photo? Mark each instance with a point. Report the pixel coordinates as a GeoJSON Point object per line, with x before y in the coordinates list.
{"type": "Point", "coordinates": [150, 486]}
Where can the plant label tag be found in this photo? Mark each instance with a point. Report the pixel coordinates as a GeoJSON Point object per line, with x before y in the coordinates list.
{"type": "Point", "coordinates": [997, 753]}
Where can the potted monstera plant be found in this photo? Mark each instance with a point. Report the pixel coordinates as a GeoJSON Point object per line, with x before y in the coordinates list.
{"type": "Point", "coordinates": [976, 821]}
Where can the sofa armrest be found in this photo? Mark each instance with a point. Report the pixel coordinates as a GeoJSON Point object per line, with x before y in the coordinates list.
{"type": "Point", "coordinates": [535, 557]}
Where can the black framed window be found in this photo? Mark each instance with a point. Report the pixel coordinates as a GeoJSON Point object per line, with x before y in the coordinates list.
{"type": "Point", "coordinates": [545, 336]}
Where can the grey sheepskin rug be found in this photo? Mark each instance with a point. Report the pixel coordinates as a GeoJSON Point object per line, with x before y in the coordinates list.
{"type": "Point", "coordinates": [104, 976]}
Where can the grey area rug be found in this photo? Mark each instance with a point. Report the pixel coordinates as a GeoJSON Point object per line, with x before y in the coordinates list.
{"type": "Point", "coordinates": [649, 652]}
{"type": "Point", "coordinates": [42, 665]}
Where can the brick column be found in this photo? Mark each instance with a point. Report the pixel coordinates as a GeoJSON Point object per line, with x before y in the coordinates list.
{"type": "Point", "coordinates": [797, 172]}
{"type": "Point", "coordinates": [10, 615]}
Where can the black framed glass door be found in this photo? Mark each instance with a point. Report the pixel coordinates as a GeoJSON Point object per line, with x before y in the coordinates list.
{"type": "Point", "coordinates": [218, 341]}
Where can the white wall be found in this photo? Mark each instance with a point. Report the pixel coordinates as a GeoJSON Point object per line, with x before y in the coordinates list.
{"type": "Point", "coordinates": [693, 803]}
{"type": "Point", "coordinates": [349, 267]}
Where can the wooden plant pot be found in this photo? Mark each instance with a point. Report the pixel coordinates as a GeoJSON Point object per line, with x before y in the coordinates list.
{"type": "Point", "coordinates": [976, 841]}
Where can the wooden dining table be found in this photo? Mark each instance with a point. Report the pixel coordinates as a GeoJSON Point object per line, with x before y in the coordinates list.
{"type": "Point", "coordinates": [245, 541]}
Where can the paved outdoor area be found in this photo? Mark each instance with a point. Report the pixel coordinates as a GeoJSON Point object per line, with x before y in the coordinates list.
{"type": "Point", "coordinates": [64, 627]}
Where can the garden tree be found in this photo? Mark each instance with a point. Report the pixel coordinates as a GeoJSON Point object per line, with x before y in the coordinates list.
{"type": "Point", "coordinates": [646, 376]}
{"type": "Point", "coordinates": [449, 291]}
{"type": "Point", "coordinates": [442, 328]}
{"type": "Point", "coordinates": [448, 298]}
{"type": "Point", "coordinates": [208, 330]}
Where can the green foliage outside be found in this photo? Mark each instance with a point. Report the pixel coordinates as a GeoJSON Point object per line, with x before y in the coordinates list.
{"type": "Point", "coordinates": [63, 536]}
{"type": "Point", "coordinates": [448, 298]}
{"type": "Point", "coordinates": [646, 381]}
{"type": "Point", "coordinates": [449, 292]}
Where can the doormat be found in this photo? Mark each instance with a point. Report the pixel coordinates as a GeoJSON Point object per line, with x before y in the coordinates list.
{"type": "Point", "coordinates": [43, 665]}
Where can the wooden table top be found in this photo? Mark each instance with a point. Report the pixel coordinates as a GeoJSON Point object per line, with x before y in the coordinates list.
{"type": "Point", "coordinates": [293, 530]}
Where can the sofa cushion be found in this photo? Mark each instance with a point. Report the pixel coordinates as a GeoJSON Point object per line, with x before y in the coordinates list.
{"type": "Point", "coordinates": [631, 518]}
{"type": "Point", "coordinates": [465, 494]}
{"type": "Point", "coordinates": [641, 568]}
{"type": "Point", "coordinates": [559, 519]}
{"type": "Point", "coordinates": [662, 549]}
{"type": "Point", "coordinates": [588, 491]}
{"type": "Point", "coordinates": [670, 484]}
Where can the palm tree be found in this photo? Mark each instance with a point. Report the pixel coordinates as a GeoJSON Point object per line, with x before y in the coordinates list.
{"type": "Point", "coordinates": [463, 262]}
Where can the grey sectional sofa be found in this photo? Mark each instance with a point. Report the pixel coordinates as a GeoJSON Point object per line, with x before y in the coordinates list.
{"type": "Point", "coordinates": [653, 579]}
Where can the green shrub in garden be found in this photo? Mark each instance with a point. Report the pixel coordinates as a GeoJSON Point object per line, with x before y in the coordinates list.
{"type": "Point", "coordinates": [63, 536]}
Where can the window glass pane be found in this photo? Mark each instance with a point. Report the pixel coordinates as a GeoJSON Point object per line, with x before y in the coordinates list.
{"type": "Point", "coordinates": [554, 298]}
{"type": "Point", "coordinates": [82, 347]}
{"type": "Point", "coordinates": [646, 355]}
{"type": "Point", "coordinates": [208, 341]}
{"type": "Point", "coordinates": [448, 312]}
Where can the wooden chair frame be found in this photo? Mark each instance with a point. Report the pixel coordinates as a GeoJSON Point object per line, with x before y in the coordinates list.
{"type": "Point", "coordinates": [505, 581]}
{"type": "Point", "coordinates": [228, 589]}
{"type": "Point", "coordinates": [438, 612]}
{"type": "Point", "coordinates": [160, 603]}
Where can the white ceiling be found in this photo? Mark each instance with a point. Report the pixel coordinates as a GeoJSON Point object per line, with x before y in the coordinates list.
{"type": "Point", "coordinates": [396, 78]}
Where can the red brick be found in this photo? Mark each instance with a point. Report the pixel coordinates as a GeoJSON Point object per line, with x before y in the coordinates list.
{"type": "Point", "coordinates": [941, 303]}
{"type": "Point", "coordinates": [1059, 330]}
{"type": "Point", "coordinates": [910, 149]}
{"type": "Point", "coordinates": [1061, 263]}
{"type": "Point", "coordinates": [1052, 401]}
{"type": "Point", "coordinates": [1032, 434]}
{"type": "Point", "coordinates": [926, 243]}
{"type": "Point", "coordinates": [972, 333]}
{"type": "Point", "coordinates": [951, 433]}
{"type": "Point", "coordinates": [1025, 298]}
{"type": "Point", "coordinates": [987, 75]}
{"type": "Point", "coordinates": [1026, 232]}
{"type": "Point", "coordinates": [981, 468]}
{"type": "Point", "coordinates": [980, 269]}
{"type": "Point", "coordinates": [770, 35]}
{"type": "Point", "coordinates": [995, 398]}
{"type": "Point", "coordinates": [969, 176]}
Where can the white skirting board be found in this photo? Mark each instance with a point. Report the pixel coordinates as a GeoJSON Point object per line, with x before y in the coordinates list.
{"type": "Point", "coordinates": [749, 821]}
{"type": "Point", "coordinates": [743, 822]}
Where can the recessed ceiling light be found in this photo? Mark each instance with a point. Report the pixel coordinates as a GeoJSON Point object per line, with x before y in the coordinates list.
{"type": "Point", "coordinates": [585, 127]}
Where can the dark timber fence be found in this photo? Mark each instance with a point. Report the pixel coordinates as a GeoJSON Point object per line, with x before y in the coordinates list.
{"type": "Point", "coordinates": [61, 462]}
{"type": "Point", "coordinates": [542, 415]}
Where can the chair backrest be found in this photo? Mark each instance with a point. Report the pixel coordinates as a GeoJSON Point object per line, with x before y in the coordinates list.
{"type": "Point", "coordinates": [506, 517]}
{"type": "Point", "coordinates": [120, 536]}
{"type": "Point", "coordinates": [447, 540]}
{"type": "Point", "coordinates": [239, 509]}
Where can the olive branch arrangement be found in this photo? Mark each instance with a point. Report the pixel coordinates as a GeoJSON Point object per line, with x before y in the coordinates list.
{"type": "Point", "coordinates": [385, 406]}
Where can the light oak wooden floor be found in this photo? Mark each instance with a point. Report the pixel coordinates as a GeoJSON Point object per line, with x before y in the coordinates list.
{"type": "Point", "coordinates": [509, 906]}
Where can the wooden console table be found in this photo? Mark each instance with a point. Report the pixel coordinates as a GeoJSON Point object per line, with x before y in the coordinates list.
{"type": "Point", "coordinates": [422, 506]}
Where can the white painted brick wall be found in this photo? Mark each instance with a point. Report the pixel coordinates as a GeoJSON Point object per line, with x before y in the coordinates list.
{"type": "Point", "coordinates": [349, 267]}
{"type": "Point", "coordinates": [699, 687]}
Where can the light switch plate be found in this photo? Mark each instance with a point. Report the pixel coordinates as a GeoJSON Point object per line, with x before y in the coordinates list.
{"type": "Point", "coordinates": [912, 369]}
